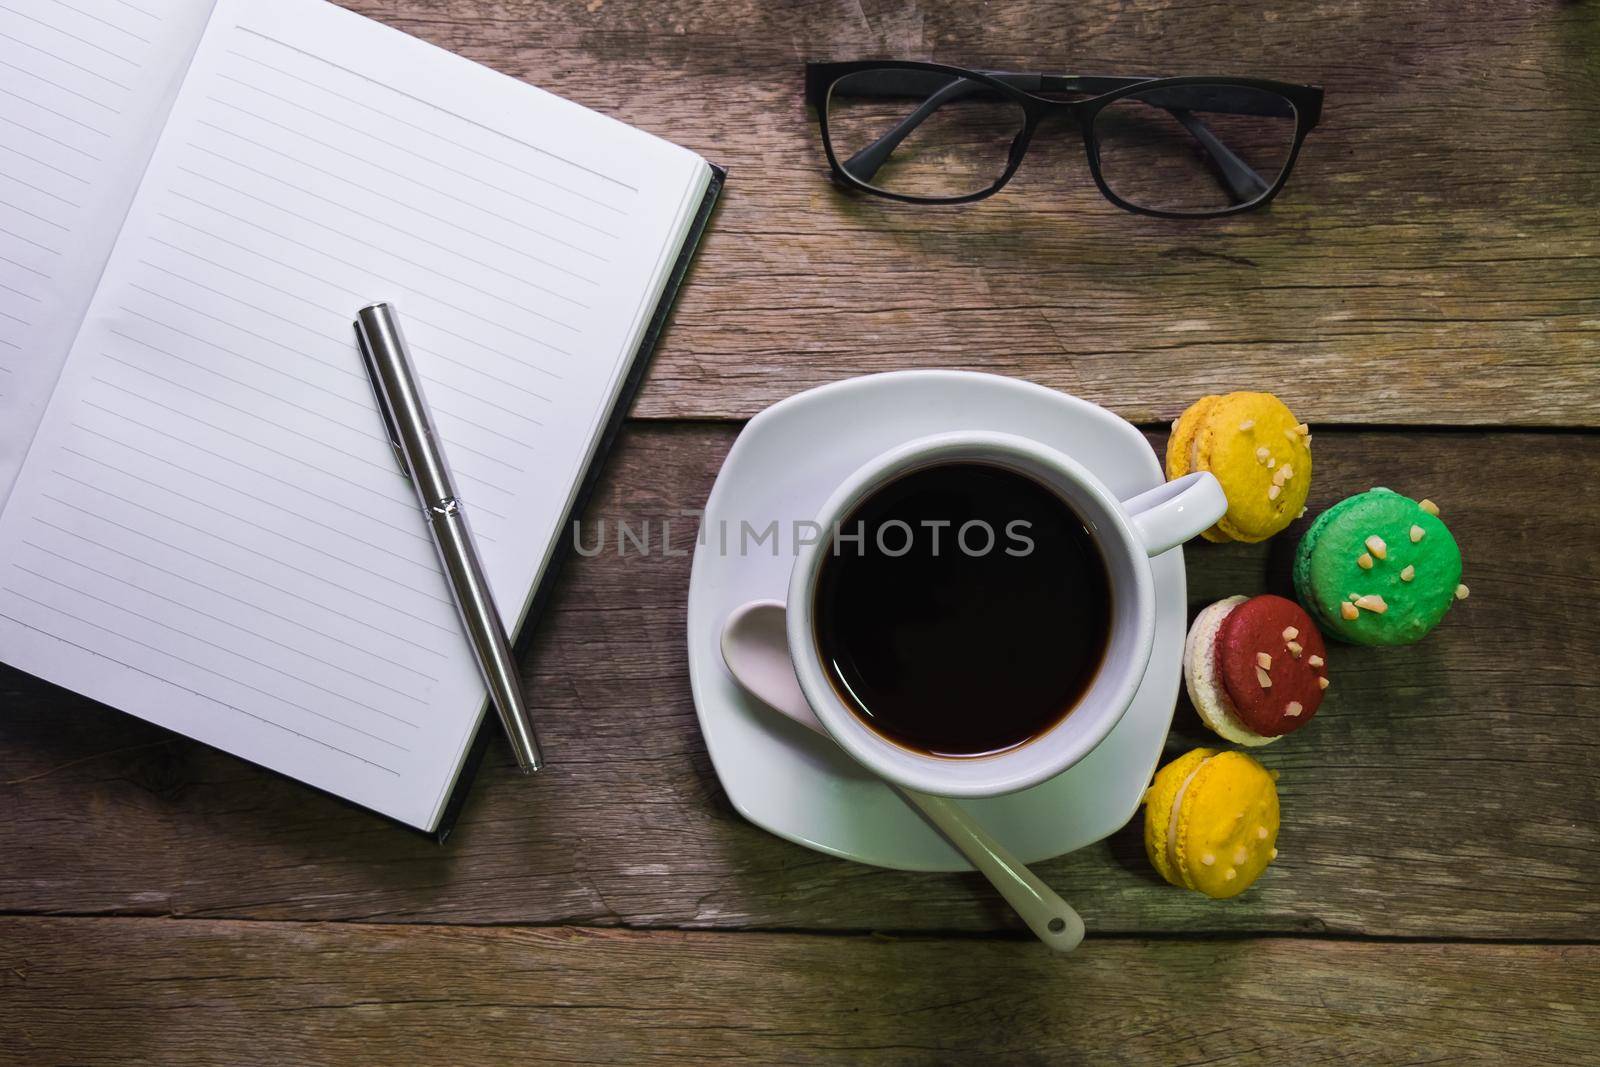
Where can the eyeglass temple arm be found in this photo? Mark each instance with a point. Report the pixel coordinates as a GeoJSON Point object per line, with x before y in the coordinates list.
{"type": "Point", "coordinates": [1240, 178]}
{"type": "Point", "coordinates": [1242, 181]}
{"type": "Point", "coordinates": [865, 163]}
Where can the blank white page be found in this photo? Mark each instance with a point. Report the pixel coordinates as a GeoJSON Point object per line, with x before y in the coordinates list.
{"type": "Point", "coordinates": [211, 531]}
{"type": "Point", "coordinates": [84, 88]}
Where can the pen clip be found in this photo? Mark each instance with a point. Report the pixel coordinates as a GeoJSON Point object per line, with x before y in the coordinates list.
{"type": "Point", "coordinates": [383, 408]}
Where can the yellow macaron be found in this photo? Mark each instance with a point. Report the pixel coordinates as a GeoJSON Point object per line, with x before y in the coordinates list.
{"type": "Point", "coordinates": [1257, 449]}
{"type": "Point", "coordinates": [1211, 822]}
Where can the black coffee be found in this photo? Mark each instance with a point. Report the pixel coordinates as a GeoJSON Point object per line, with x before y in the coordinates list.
{"type": "Point", "coordinates": [971, 614]}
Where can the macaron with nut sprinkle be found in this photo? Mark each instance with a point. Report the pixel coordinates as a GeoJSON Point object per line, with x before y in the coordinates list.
{"type": "Point", "coordinates": [1255, 668]}
{"type": "Point", "coordinates": [1211, 822]}
{"type": "Point", "coordinates": [1258, 451]}
{"type": "Point", "coordinates": [1379, 568]}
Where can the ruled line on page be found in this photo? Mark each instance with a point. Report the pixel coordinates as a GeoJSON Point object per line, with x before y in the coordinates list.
{"type": "Point", "coordinates": [291, 349]}
{"type": "Point", "coordinates": [33, 215]}
{"type": "Point", "coordinates": [466, 475]}
{"type": "Point", "coordinates": [433, 270]}
{"type": "Point", "coordinates": [103, 21]}
{"type": "Point", "coordinates": [101, 653]}
{"type": "Point", "coordinates": [431, 297]}
{"type": "Point", "coordinates": [303, 165]}
{"type": "Point", "coordinates": [335, 313]}
{"type": "Point", "coordinates": [69, 34]}
{"type": "Point", "coordinates": [381, 462]}
{"type": "Point", "coordinates": [540, 149]}
{"type": "Point", "coordinates": [47, 166]}
{"type": "Point", "coordinates": [29, 241]}
{"type": "Point", "coordinates": [91, 404]}
{"type": "Point", "coordinates": [232, 488]}
{"type": "Point", "coordinates": [46, 137]}
{"type": "Point", "coordinates": [65, 61]}
{"type": "Point", "coordinates": [386, 605]}
{"type": "Point", "coordinates": [404, 505]}
{"type": "Point", "coordinates": [257, 308]}
{"type": "Point", "coordinates": [146, 562]}
{"type": "Point", "coordinates": [52, 111]}
{"type": "Point", "coordinates": [451, 412]}
{"type": "Point", "coordinates": [353, 399]}
{"type": "Point", "coordinates": [299, 405]}
{"type": "Point", "coordinates": [24, 266]}
{"type": "Point", "coordinates": [366, 271]}
{"type": "Point", "coordinates": [19, 292]}
{"type": "Point", "coordinates": [388, 221]}
{"type": "Point", "coordinates": [272, 695]}
{"type": "Point", "coordinates": [58, 87]}
{"type": "Point", "coordinates": [40, 189]}
{"type": "Point", "coordinates": [343, 316]}
{"type": "Point", "coordinates": [211, 507]}
{"type": "Point", "coordinates": [369, 461]}
{"type": "Point", "coordinates": [135, 7]}
{"type": "Point", "coordinates": [254, 556]}
{"type": "Point", "coordinates": [479, 179]}
{"type": "Point", "coordinates": [426, 563]}
{"type": "Point", "coordinates": [354, 483]}
{"type": "Point", "coordinates": [253, 634]}
{"type": "Point", "coordinates": [407, 177]}
{"type": "Point", "coordinates": [83, 95]}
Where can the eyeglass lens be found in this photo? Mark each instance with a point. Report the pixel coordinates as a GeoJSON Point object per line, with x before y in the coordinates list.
{"type": "Point", "coordinates": [1194, 149]}
{"type": "Point", "coordinates": [922, 133]}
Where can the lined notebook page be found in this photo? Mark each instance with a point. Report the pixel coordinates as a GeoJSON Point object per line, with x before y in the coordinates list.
{"type": "Point", "coordinates": [84, 88]}
{"type": "Point", "coordinates": [211, 531]}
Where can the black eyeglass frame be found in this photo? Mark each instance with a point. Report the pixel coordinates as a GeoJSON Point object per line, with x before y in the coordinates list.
{"type": "Point", "coordinates": [821, 77]}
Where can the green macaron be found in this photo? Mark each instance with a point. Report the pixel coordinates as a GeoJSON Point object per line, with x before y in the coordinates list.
{"type": "Point", "coordinates": [1378, 568]}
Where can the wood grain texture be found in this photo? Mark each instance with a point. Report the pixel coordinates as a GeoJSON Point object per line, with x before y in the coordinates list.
{"type": "Point", "coordinates": [1434, 259]}
{"type": "Point", "coordinates": [1447, 789]}
{"type": "Point", "coordinates": [179, 992]}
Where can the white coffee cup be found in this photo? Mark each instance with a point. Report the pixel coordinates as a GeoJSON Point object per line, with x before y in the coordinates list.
{"type": "Point", "coordinates": [1127, 532]}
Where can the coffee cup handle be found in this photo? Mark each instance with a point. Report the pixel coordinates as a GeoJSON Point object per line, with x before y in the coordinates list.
{"type": "Point", "coordinates": [1168, 515]}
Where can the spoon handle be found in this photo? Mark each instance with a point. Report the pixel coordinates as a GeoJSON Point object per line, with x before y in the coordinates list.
{"type": "Point", "coordinates": [1052, 919]}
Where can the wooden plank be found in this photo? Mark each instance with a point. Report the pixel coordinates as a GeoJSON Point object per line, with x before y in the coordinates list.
{"type": "Point", "coordinates": [1448, 789]}
{"type": "Point", "coordinates": [1434, 259]}
{"type": "Point", "coordinates": [171, 992]}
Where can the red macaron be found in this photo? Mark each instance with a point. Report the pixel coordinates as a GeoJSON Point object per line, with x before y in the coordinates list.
{"type": "Point", "coordinates": [1256, 668]}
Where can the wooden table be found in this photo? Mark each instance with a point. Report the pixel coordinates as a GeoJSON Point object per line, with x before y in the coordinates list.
{"type": "Point", "coordinates": [1426, 294]}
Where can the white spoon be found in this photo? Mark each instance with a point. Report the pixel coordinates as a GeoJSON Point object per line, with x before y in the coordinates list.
{"type": "Point", "coordinates": [756, 649]}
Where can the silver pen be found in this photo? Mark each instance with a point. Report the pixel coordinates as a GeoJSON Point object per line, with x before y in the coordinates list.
{"type": "Point", "coordinates": [421, 457]}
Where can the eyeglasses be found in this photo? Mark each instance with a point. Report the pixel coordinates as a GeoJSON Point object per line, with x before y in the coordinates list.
{"type": "Point", "coordinates": [1190, 147]}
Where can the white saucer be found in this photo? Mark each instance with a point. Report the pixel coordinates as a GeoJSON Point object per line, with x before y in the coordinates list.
{"type": "Point", "coordinates": [801, 786]}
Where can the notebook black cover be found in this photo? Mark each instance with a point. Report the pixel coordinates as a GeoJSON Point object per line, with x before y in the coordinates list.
{"type": "Point", "coordinates": [488, 726]}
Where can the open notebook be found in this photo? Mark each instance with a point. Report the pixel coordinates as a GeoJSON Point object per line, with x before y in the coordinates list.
{"type": "Point", "coordinates": [202, 522]}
